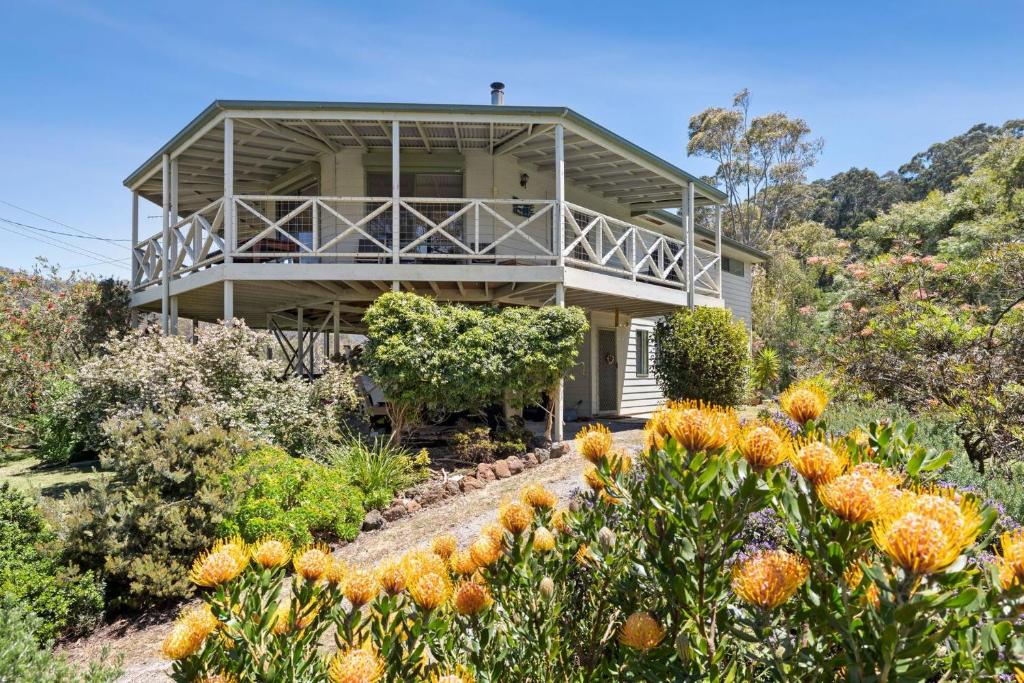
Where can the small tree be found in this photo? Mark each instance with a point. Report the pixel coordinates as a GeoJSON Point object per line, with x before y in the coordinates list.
{"type": "Point", "coordinates": [702, 354]}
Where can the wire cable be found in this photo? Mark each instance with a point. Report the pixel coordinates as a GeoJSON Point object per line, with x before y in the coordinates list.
{"type": "Point", "coordinates": [65, 225]}
{"type": "Point", "coordinates": [79, 251]}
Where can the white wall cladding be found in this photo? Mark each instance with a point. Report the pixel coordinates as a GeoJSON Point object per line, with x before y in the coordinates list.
{"type": "Point", "coordinates": [736, 293]}
{"type": "Point", "coordinates": [640, 395]}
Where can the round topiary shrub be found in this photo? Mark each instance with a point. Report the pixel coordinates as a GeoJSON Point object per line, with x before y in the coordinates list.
{"type": "Point", "coordinates": [702, 354]}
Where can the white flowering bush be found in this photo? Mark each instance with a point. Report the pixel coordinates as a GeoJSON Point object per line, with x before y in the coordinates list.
{"type": "Point", "coordinates": [225, 373]}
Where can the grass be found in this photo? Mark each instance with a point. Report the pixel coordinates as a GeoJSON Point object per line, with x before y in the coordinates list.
{"type": "Point", "coordinates": [29, 474]}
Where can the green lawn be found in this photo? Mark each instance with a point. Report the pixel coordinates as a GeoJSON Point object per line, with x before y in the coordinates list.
{"type": "Point", "coordinates": [29, 475]}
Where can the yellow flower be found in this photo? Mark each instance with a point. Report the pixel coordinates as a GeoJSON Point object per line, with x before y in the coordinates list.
{"type": "Point", "coordinates": [222, 563]}
{"type": "Point", "coordinates": [218, 678]}
{"type": "Point", "coordinates": [496, 531]}
{"type": "Point", "coordinates": [189, 631]}
{"type": "Point", "coordinates": [282, 622]}
{"type": "Point", "coordinates": [356, 665]}
{"type": "Point", "coordinates": [697, 426]}
{"type": "Point", "coordinates": [270, 553]}
{"type": "Point", "coordinates": [620, 462]}
{"type": "Point", "coordinates": [583, 555]}
{"type": "Point", "coordinates": [853, 575]}
{"type": "Point", "coordinates": [471, 597]}
{"type": "Point", "coordinates": [543, 541]}
{"type": "Point", "coordinates": [763, 445]}
{"type": "Point", "coordinates": [462, 562]}
{"type": "Point", "coordinates": [1011, 558]}
{"type": "Point", "coordinates": [851, 496]}
{"type": "Point", "coordinates": [881, 477]}
{"type": "Point", "coordinates": [515, 516]}
{"type": "Point", "coordinates": [336, 571]}
{"type": "Point", "coordinates": [443, 546]}
{"type": "Point", "coordinates": [803, 401]}
{"type": "Point", "coordinates": [594, 442]}
{"type": "Point", "coordinates": [391, 576]}
{"type": "Point", "coordinates": [485, 551]}
{"type": "Point", "coordinates": [769, 578]}
{"type": "Point", "coordinates": [313, 562]}
{"type": "Point", "coordinates": [430, 591]}
{"type": "Point", "coordinates": [820, 461]}
{"type": "Point", "coordinates": [456, 675]}
{"type": "Point", "coordinates": [536, 496]}
{"type": "Point", "coordinates": [416, 563]}
{"type": "Point", "coordinates": [641, 632]}
{"type": "Point", "coordinates": [593, 478]}
{"type": "Point", "coordinates": [560, 519]}
{"type": "Point", "coordinates": [361, 586]}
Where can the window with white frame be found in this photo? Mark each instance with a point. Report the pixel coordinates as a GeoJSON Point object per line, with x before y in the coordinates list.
{"type": "Point", "coordinates": [643, 353]}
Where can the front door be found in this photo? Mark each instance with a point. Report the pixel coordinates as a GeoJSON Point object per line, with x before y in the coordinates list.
{"type": "Point", "coordinates": [607, 371]}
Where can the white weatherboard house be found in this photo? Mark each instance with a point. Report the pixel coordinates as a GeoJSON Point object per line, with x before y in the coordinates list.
{"type": "Point", "coordinates": [297, 215]}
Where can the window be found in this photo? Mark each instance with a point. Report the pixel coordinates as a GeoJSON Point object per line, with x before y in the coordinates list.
{"type": "Point", "coordinates": [732, 266]}
{"type": "Point", "coordinates": [432, 184]}
{"type": "Point", "coordinates": [643, 353]}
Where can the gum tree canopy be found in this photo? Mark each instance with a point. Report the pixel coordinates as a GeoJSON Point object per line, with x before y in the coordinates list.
{"type": "Point", "coordinates": [450, 357]}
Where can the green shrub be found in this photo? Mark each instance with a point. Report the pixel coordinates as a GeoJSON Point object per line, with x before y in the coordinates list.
{"type": "Point", "coordinates": [167, 498]}
{"type": "Point", "coordinates": [67, 602]}
{"type": "Point", "coordinates": [57, 438]}
{"type": "Point", "coordinates": [702, 354]}
{"type": "Point", "coordinates": [379, 469]}
{"type": "Point", "coordinates": [472, 444]}
{"type": "Point", "coordinates": [24, 659]}
{"type": "Point", "coordinates": [294, 498]}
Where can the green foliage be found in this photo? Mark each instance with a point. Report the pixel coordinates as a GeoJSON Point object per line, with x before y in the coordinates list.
{"type": "Point", "coordinates": [378, 468]}
{"type": "Point", "coordinates": [472, 444]}
{"type": "Point", "coordinates": [167, 498]}
{"type": "Point", "coordinates": [702, 354]}
{"type": "Point", "coordinates": [425, 356]}
{"type": "Point", "coordinates": [24, 659]}
{"type": "Point", "coordinates": [67, 602]}
{"type": "Point", "coordinates": [57, 438]}
{"type": "Point", "coordinates": [764, 371]}
{"type": "Point", "coordinates": [293, 498]}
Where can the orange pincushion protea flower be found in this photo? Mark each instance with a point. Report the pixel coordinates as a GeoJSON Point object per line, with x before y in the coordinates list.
{"type": "Point", "coordinates": [851, 497]}
{"type": "Point", "coordinates": [485, 551]}
{"type": "Point", "coordinates": [356, 665]}
{"type": "Point", "coordinates": [416, 563]}
{"type": "Point", "coordinates": [594, 442]}
{"type": "Point", "coordinates": [430, 591]}
{"type": "Point", "coordinates": [560, 520]}
{"type": "Point", "coordinates": [641, 632]}
{"type": "Point", "coordinates": [593, 478]}
{"type": "Point", "coordinates": [543, 541]}
{"type": "Point", "coordinates": [222, 563]}
{"type": "Point", "coordinates": [819, 461]}
{"type": "Point", "coordinates": [218, 678]}
{"type": "Point", "coordinates": [496, 531]}
{"type": "Point", "coordinates": [536, 496]}
{"type": "Point", "coordinates": [583, 555]}
{"type": "Point", "coordinates": [763, 445]}
{"type": "Point", "coordinates": [456, 675]}
{"type": "Point", "coordinates": [361, 586]}
{"type": "Point", "coordinates": [391, 576]}
{"type": "Point", "coordinates": [515, 516]}
{"type": "Point", "coordinates": [313, 562]}
{"type": "Point", "coordinates": [697, 426]}
{"type": "Point", "coordinates": [189, 631]}
{"type": "Point", "coordinates": [882, 478]}
{"type": "Point", "coordinates": [462, 563]}
{"type": "Point", "coordinates": [443, 546]}
{"type": "Point", "coordinates": [282, 622]}
{"type": "Point", "coordinates": [1011, 558]}
{"type": "Point", "coordinates": [271, 553]}
{"type": "Point", "coordinates": [336, 572]}
{"type": "Point", "coordinates": [769, 578]}
{"type": "Point", "coordinates": [803, 401]}
{"type": "Point", "coordinates": [471, 597]}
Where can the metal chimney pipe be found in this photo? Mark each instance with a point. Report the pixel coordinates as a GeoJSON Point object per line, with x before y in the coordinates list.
{"type": "Point", "coordinates": [497, 93]}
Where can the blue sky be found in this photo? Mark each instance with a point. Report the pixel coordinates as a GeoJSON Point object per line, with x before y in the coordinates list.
{"type": "Point", "coordinates": [88, 90]}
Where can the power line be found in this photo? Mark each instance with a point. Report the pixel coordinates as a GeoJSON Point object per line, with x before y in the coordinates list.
{"type": "Point", "coordinates": [65, 225]}
{"type": "Point", "coordinates": [65, 246]}
{"type": "Point", "coordinates": [57, 232]}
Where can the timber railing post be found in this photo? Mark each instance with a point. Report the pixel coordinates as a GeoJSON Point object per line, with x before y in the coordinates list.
{"type": "Point", "coordinates": [165, 265]}
{"type": "Point", "coordinates": [718, 246]}
{"type": "Point", "coordinates": [230, 226]}
{"type": "Point", "coordinates": [558, 239]}
{"type": "Point", "coordinates": [687, 213]}
{"type": "Point", "coordinates": [396, 196]}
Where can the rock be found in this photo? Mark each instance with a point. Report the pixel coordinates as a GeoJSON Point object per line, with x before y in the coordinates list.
{"type": "Point", "coordinates": [471, 484]}
{"type": "Point", "coordinates": [515, 465]}
{"type": "Point", "coordinates": [374, 520]}
{"type": "Point", "coordinates": [485, 472]}
{"type": "Point", "coordinates": [559, 449]}
{"type": "Point", "coordinates": [412, 505]}
{"type": "Point", "coordinates": [395, 511]}
{"type": "Point", "coordinates": [540, 441]}
{"type": "Point", "coordinates": [431, 495]}
{"type": "Point", "coordinates": [451, 488]}
{"type": "Point", "coordinates": [543, 454]}
{"type": "Point", "coordinates": [531, 460]}
{"type": "Point", "coordinates": [501, 469]}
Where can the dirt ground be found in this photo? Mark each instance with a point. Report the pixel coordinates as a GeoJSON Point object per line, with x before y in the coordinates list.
{"type": "Point", "coordinates": [138, 642]}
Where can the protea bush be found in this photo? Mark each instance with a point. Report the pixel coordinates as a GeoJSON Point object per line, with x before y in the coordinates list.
{"type": "Point", "coordinates": [880, 574]}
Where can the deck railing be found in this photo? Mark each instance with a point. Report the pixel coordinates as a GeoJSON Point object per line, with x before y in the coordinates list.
{"type": "Point", "coordinates": [291, 229]}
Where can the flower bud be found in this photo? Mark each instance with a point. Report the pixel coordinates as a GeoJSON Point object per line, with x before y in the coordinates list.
{"type": "Point", "coordinates": [606, 537]}
{"type": "Point", "coordinates": [547, 588]}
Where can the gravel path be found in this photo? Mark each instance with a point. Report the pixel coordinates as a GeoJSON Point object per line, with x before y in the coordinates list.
{"type": "Point", "coordinates": [464, 516]}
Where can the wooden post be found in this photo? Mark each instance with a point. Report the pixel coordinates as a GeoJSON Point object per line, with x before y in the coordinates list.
{"type": "Point", "coordinates": [558, 239]}
{"type": "Point", "coordinates": [136, 264]}
{"type": "Point", "coordinates": [174, 316]}
{"type": "Point", "coordinates": [300, 359]}
{"type": "Point", "coordinates": [229, 218]}
{"type": "Point", "coordinates": [559, 431]}
{"type": "Point", "coordinates": [718, 247]}
{"type": "Point", "coordinates": [165, 265]}
{"type": "Point", "coordinates": [687, 214]}
{"type": "Point", "coordinates": [270, 343]}
{"type": "Point", "coordinates": [172, 257]}
{"type": "Point", "coordinates": [336, 312]}
{"type": "Point", "coordinates": [396, 191]}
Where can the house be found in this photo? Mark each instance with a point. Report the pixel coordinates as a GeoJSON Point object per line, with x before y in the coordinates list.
{"type": "Point", "coordinates": [295, 216]}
